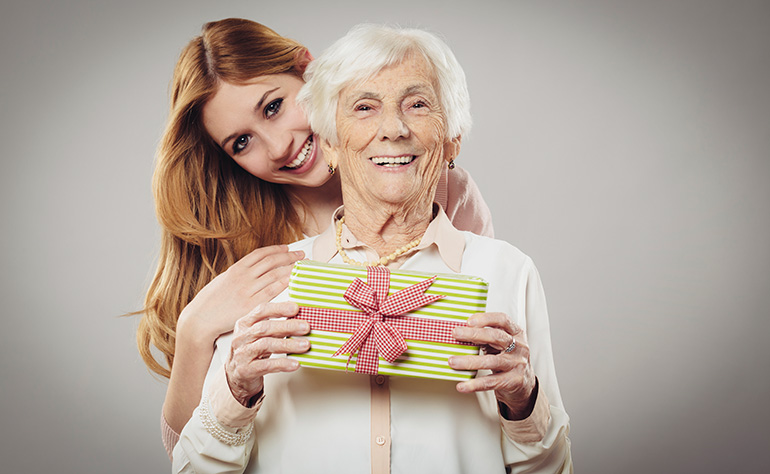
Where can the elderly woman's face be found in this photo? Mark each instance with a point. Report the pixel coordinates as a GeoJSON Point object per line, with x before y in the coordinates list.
{"type": "Point", "coordinates": [391, 133]}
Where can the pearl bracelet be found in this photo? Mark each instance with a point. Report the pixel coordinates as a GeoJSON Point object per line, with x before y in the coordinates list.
{"type": "Point", "coordinates": [220, 433]}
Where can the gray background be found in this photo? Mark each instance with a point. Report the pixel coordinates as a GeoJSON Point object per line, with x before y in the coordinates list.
{"type": "Point", "coordinates": [623, 145]}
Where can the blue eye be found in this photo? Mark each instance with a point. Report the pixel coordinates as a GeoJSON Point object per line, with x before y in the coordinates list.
{"type": "Point", "coordinates": [240, 143]}
{"type": "Point", "coordinates": [273, 108]}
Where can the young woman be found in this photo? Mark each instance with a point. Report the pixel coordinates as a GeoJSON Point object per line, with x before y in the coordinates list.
{"type": "Point", "coordinates": [238, 169]}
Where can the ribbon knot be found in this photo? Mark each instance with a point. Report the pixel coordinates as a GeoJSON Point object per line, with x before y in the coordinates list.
{"type": "Point", "coordinates": [375, 337]}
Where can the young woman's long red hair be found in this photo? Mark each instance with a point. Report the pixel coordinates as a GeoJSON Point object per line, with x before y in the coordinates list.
{"type": "Point", "coordinates": [211, 211]}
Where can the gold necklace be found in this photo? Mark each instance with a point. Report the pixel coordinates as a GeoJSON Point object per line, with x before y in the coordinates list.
{"type": "Point", "coordinates": [382, 261]}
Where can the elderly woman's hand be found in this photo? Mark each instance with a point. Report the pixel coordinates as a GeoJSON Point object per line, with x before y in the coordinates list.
{"type": "Point", "coordinates": [512, 378]}
{"type": "Point", "coordinates": [258, 335]}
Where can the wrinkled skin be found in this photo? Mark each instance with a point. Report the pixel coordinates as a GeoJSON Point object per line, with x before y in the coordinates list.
{"type": "Point", "coordinates": [397, 113]}
{"type": "Point", "coordinates": [258, 335]}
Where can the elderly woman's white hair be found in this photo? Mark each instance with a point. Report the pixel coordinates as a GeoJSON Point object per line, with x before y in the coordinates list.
{"type": "Point", "coordinates": [363, 53]}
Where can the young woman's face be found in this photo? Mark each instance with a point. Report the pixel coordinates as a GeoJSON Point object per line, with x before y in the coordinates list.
{"type": "Point", "coordinates": [262, 128]}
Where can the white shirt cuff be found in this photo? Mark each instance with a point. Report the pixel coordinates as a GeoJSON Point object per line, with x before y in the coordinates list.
{"type": "Point", "coordinates": [226, 409]}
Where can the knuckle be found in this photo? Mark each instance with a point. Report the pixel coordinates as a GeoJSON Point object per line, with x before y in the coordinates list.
{"type": "Point", "coordinates": [234, 270]}
{"type": "Point", "coordinates": [260, 329]}
{"type": "Point", "coordinates": [487, 383]}
{"type": "Point", "coordinates": [273, 260]}
{"type": "Point", "coordinates": [238, 373]}
{"type": "Point", "coordinates": [523, 349]}
{"type": "Point", "coordinates": [238, 330]}
{"type": "Point", "coordinates": [275, 287]}
{"type": "Point", "coordinates": [271, 365]}
{"type": "Point", "coordinates": [250, 316]}
{"type": "Point", "coordinates": [262, 346]}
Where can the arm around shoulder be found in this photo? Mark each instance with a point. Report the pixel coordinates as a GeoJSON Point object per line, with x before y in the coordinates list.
{"type": "Point", "coordinates": [466, 207]}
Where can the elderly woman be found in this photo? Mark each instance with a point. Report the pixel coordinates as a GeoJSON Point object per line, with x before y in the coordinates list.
{"type": "Point", "coordinates": [391, 107]}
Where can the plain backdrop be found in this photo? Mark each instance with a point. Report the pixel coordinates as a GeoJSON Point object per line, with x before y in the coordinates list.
{"type": "Point", "coordinates": [624, 145]}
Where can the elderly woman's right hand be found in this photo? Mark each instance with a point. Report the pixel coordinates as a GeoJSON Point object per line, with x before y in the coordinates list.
{"type": "Point", "coordinates": [258, 335]}
{"type": "Point", "coordinates": [256, 278]}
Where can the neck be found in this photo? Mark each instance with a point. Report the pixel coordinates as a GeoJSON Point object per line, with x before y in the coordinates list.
{"type": "Point", "coordinates": [386, 228]}
{"type": "Point", "coordinates": [316, 205]}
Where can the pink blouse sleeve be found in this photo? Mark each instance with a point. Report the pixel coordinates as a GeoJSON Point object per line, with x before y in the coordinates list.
{"type": "Point", "coordinates": [462, 201]}
{"type": "Point", "coordinates": [169, 436]}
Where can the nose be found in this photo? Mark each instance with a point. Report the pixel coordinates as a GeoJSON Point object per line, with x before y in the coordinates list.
{"type": "Point", "coordinates": [392, 125]}
{"type": "Point", "coordinates": [277, 145]}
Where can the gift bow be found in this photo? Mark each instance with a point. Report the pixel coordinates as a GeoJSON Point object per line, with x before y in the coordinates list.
{"type": "Point", "coordinates": [375, 337]}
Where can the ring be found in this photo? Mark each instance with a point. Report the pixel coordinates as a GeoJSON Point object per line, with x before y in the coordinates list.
{"type": "Point", "coordinates": [511, 347]}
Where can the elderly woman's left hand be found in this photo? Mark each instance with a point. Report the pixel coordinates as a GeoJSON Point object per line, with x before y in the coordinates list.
{"type": "Point", "coordinates": [512, 378]}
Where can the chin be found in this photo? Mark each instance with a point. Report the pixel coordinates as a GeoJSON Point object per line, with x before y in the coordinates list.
{"type": "Point", "coordinates": [314, 178]}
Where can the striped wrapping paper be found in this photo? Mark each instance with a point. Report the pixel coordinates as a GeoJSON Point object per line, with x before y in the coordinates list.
{"type": "Point", "coordinates": [322, 285]}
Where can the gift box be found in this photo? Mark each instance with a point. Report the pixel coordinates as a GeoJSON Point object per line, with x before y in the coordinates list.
{"type": "Point", "coordinates": [376, 321]}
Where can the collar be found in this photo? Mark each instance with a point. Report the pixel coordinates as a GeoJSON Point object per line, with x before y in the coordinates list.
{"type": "Point", "coordinates": [440, 232]}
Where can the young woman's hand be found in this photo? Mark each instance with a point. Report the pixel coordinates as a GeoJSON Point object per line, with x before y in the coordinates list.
{"type": "Point", "coordinates": [256, 278]}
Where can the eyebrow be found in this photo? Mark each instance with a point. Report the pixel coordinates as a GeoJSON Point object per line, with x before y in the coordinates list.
{"type": "Point", "coordinates": [262, 100]}
{"type": "Point", "coordinates": [418, 88]}
{"type": "Point", "coordinates": [412, 89]}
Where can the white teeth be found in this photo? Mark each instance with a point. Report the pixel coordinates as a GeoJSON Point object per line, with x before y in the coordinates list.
{"type": "Point", "coordinates": [392, 160]}
{"type": "Point", "coordinates": [302, 156]}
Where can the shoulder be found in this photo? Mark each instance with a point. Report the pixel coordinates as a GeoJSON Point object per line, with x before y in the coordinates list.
{"type": "Point", "coordinates": [494, 255]}
{"type": "Point", "coordinates": [479, 244]}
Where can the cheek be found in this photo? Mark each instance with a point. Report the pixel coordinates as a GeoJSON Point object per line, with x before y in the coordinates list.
{"type": "Point", "coordinates": [437, 127]}
{"type": "Point", "coordinates": [431, 135]}
{"type": "Point", "coordinates": [356, 135]}
{"type": "Point", "coordinates": [254, 162]}
{"type": "Point", "coordinates": [297, 118]}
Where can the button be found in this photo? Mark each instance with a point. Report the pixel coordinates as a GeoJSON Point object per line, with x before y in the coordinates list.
{"type": "Point", "coordinates": [380, 440]}
{"type": "Point", "coordinates": [379, 380]}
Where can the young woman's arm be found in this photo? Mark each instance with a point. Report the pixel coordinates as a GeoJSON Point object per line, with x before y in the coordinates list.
{"type": "Point", "coordinates": [465, 207]}
{"type": "Point", "coordinates": [255, 279]}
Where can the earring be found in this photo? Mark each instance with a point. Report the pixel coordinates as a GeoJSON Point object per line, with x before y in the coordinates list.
{"type": "Point", "coordinates": [451, 164]}
{"type": "Point", "coordinates": [331, 169]}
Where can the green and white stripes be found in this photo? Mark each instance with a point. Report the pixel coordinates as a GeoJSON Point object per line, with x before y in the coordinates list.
{"type": "Point", "coordinates": [322, 285]}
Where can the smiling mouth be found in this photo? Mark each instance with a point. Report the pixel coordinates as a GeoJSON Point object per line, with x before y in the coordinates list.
{"type": "Point", "coordinates": [302, 156]}
{"type": "Point", "coordinates": [392, 161]}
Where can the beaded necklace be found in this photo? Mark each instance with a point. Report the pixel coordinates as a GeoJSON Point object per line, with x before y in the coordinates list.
{"type": "Point", "coordinates": [382, 261]}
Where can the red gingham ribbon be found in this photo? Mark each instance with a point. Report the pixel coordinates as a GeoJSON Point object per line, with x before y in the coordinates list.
{"type": "Point", "coordinates": [382, 327]}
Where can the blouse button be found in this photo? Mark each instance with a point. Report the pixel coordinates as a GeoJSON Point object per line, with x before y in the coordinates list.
{"type": "Point", "coordinates": [379, 380]}
{"type": "Point", "coordinates": [380, 440]}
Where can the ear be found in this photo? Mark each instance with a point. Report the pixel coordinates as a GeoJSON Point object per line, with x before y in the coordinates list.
{"type": "Point", "coordinates": [330, 152]}
{"type": "Point", "coordinates": [303, 58]}
{"type": "Point", "coordinates": [452, 148]}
